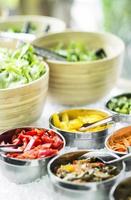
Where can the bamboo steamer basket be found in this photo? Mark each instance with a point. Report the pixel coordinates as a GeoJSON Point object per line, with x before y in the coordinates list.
{"type": "Point", "coordinates": [24, 104]}
{"type": "Point", "coordinates": [79, 83]}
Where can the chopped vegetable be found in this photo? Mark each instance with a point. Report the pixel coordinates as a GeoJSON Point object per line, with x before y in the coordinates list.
{"type": "Point", "coordinates": [86, 170]}
{"type": "Point", "coordinates": [120, 140]}
{"type": "Point", "coordinates": [32, 28]}
{"type": "Point", "coordinates": [36, 143]}
{"type": "Point", "coordinates": [75, 52]}
{"type": "Point", "coordinates": [121, 104]}
{"type": "Point", "coordinates": [19, 67]}
{"type": "Point", "coordinates": [72, 120]}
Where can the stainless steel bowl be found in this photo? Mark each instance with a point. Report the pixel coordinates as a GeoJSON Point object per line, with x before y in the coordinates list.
{"type": "Point", "coordinates": [127, 162]}
{"type": "Point", "coordinates": [89, 140]}
{"type": "Point", "coordinates": [121, 190]}
{"type": "Point", "coordinates": [22, 171]}
{"type": "Point", "coordinates": [123, 117]}
{"type": "Point", "coordinates": [91, 191]}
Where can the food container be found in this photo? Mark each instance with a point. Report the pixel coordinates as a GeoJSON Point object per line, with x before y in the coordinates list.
{"type": "Point", "coordinates": [124, 117]}
{"type": "Point", "coordinates": [80, 83]}
{"type": "Point", "coordinates": [70, 190]}
{"type": "Point", "coordinates": [23, 104]}
{"type": "Point", "coordinates": [22, 170]}
{"type": "Point", "coordinates": [121, 134]}
{"type": "Point", "coordinates": [41, 24]}
{"type": "Point", "coordinates": [83, 140]}
{"type": "Point", "coordinates": [121, 190]}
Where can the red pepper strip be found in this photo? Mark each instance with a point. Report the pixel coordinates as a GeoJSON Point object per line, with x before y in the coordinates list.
{"type": "Point", "coordinates": [38, 141]}
{"type": "Point", "coordinates": [21, 136]}
{"type": "Point", "coordinates": [47, 152]}
{"type": "Point", "coordinates": [51, 133]}
{"type": "Point", "coordinates": [31, 133]}
{"type": "Point", "coordinates": [46, 139]}
{"type": "Point", "coordinates": [40, 132]}
{"type": "Point", "coordinates": [57, 142]}
{"type": "Point", "coordinates": [12, 155]}
{"type": "Point", "coordinates": [43, 146]}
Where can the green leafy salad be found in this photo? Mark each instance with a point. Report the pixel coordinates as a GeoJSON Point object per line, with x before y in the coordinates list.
{"type": "Point", "coordinates": [30, 26]}
{"type": "Point", "coordinates": [20, 66]}
{"type": "Point", "coordinates": [76, 51]}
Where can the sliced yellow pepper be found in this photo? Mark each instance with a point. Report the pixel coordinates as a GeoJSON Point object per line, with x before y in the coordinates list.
{"type": "Point", "coordinates": [56, 120]}
{"type": "Point", "coordinates": [65, 117]}
{"type": "Point", "coordinates": [75, 123]}
{"type": "Point", "coordinates": [68, 168]}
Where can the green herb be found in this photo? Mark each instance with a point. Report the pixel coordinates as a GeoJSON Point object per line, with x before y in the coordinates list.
{"type": "Point", "coordinates": [19, 67]}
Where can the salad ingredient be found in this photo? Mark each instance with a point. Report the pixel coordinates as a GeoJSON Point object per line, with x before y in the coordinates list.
{"type": "Point", "coordinates": [72, 120]}
{"type": "Point", "coordinates": [86, 170]}
{"type": "Point", "coordinates": [35, 143]}
{"type": "Point", "coordinates": [32, 28]}
{"type": "Point", "coordinates": [76, 51]}
{"type": "Point", "coordinates": [120, 140]}
{"type": "Point", "coordinates": [20, 66]}
{"type": "Point", "coordinates": [120, 104]}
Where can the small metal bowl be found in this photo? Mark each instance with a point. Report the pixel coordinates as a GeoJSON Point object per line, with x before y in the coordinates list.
{"type": "Point", "coordinates": [89, 140]}
{"type": "Point", "coordinates": [121, 190]}
{"type": "Point", "coordinates": [93, 190]}
{"type": "Point", "coordinates": [22, 171]}
{"type": "Point", "coordinates": [123, 117]}
{"type": "Point", "coordinates": [128, 161]}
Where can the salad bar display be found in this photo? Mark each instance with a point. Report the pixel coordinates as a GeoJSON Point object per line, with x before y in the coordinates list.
{"type": "Point", "coordinates": [82, 68]}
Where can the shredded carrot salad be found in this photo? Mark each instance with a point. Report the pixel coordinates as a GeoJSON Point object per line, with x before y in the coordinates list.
{"type": "Point", "coordinates": [120, 140]}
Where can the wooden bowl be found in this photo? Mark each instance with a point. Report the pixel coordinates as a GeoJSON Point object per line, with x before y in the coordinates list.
{"type": "Point", "coordinates": [24, 104]}
{"type": "Point", "coordinates": [40, 22]}
{"type": "Point", "coordinates": [79, 83]}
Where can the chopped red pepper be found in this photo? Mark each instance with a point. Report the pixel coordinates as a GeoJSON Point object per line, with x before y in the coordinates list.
{"type": "Point", "coordinates": [36, 143]}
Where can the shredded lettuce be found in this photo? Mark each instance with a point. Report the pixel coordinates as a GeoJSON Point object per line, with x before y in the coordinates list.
{"type": "Point", "coordinates": [20, 66]}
